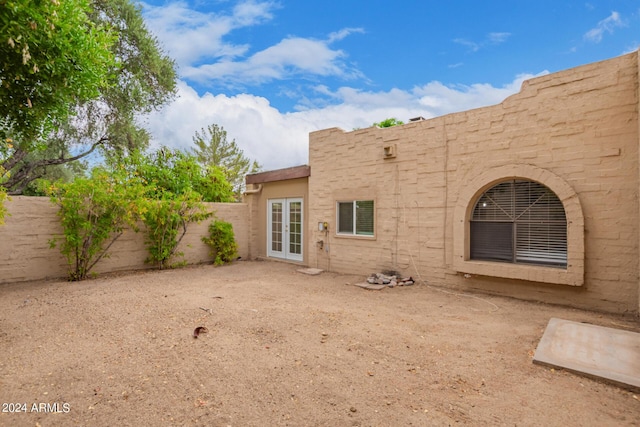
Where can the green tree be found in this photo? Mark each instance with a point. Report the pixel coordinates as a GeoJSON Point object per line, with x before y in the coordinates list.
{"type": "Point", "coordinates": [168, 173]}
{"type": "Point", "coordinates": [390, 122]}
{"type": "Point", "coordinates": [213, 149]}
{"type": "Point", "coordinates": [52, 57]}
{"type": "Point", "coordinates": [176, 185]}
{"type": "Point", "coordinates": [142, 80]}
{"type": "Point", "coordinates": [65, 172]}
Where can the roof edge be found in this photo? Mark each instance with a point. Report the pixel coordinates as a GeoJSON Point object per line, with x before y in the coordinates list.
{"type": "Point", "coordinates": [302, 171]}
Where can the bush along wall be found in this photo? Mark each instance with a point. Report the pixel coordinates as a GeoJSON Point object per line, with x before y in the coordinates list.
{"type": "Point", "coordinates": [222, 242]}
{"type": "Point", "coordinates": [164, 190]}
{"type": "Point", "coordinates": [166, 223]}
{"type": "Point", "coordinates": [94, 212]}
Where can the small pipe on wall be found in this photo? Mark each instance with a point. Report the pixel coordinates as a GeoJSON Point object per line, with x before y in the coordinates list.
{"type": "Point", "coordinates": [253, 191]}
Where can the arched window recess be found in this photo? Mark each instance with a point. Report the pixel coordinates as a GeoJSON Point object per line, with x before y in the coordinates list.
{"type": "Point", "coordinates": [519, 221]}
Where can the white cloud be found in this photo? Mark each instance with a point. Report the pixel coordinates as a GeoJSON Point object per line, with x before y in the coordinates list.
{"type": "Point", "coordinates": [440, 99]}
{"type": "Point", "coordinates": [491, 39]}
{"type": "Point", "coordinates": [251, 12]}
{"type": "Point", "coordinates": [474, 47]}
{"type": "Point", "coordinates": [265, 134]}
{"type": "Point", "coordinates": [279, 140]}
{"type": "Point", "coordinates": [339, 35]}
{"type": "Point", "coordinates": [291, 56]}
{"type": "Point", "coordinates": [606, 25]}
{"type": "Point", "coordinates": [497, 38]}
{"type": "Point", "coordinates": [190, 36]}
{"type": "Point", "coordinates": [197, 42]}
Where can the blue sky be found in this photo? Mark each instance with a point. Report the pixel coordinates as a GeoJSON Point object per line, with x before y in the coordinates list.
{"type": "Point", "coordinates": [270, 72]}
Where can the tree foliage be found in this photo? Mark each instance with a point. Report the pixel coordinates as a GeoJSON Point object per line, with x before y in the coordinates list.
{"type": "Point", "coordinates": [166, 223]}
{"type": "Point", "coordinates": [140, 81]}
{"type": "Point", "coordinates": [168, 173]}
{"type": "Point", "coordinates": [222, 242]}
{"type": "Point", "coordinates": [176, 185]}
{"type": "Point", "coordinates": [65, 172]}
{"type": "Point", "coordinates": [3, 191]}
{"type": "Point", "coordinates": [171, 203]}
{"type": "Point", "coordinates": [390, 122]}
{"type": "Point", "coordinates": [94, 212]}
{"type": "Point", "coordinates": [144, 80]}
{"type": "Point", "coordinates": [162, 189]}
{"type": "Point", "coordinates": [213, 149]}
{"type": "Point", "coordinates": [3, 198]}
{"type": "Point", "coordinates": [52, 57]}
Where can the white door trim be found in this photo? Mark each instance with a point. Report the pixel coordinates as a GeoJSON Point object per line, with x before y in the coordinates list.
{"type": "Point", "coordinates": [285, 226]}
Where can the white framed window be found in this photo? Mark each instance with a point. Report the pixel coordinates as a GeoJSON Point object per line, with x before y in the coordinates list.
{"type": "Point", "coordinates": [519, 221]}
{"type": "Point", "coordinates": [355, 217]}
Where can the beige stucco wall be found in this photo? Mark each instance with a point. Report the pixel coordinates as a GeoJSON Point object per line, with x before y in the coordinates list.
{"type": "Point", "coordinates": [291, 188]}
{"type": "Point", "coordinates": [576, 131]}
{"type": "Point", "coordinates": [33, 221]}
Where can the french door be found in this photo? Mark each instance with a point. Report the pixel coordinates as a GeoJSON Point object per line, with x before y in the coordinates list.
{"type": "Point", "coordinates": [284, 228]}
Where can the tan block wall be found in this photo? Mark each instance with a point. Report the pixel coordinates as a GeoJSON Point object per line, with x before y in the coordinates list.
{"type": "Point", "coordinates": [291, 188]}
{"type": "Point", "coordinates": [33, 221]}
{"type": "Point", "coordinates": [579, 127]}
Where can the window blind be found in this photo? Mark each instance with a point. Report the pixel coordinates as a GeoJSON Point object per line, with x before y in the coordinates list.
{"type": "Point", "coordinates": [345, 217]}
{"type": "Point", "coordinates": [519, 221]}
{"type": "Point", "coordinates": [364, 217]}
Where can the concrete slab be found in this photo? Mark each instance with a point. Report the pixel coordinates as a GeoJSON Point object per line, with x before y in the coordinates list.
{"type": "Point", "coordinates": [310, 271]}
{"type": "Point", "coordinates": [591, 350]}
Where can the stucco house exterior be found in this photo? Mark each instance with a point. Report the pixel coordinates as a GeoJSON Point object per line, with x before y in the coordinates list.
{"type": "Point", "coordinates": [278, 213]}
{"type": "Point", "coordinates": [536, 197]}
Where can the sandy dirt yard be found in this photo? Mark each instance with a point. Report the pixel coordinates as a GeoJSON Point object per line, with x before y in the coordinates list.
{"type": "Point", "coordinates": [285, 348]}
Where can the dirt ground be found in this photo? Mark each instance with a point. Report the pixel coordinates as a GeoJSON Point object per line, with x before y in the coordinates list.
{"type": "Point", "coordinates": [284, 348]}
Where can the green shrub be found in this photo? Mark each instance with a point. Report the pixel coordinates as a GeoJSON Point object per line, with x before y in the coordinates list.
{"type": "Point", "coordinates": [222, 242]}
{"type": "Point", "coordinates": [3, 208]}
{"type": "Point", "coordinates": [94, 213]}
{"type": "Point", "coordinates": [3, 195]}
{"type": "Point", "coordinates": [164, 189]}
{"type": "Point", "coordinates": [167, 221]}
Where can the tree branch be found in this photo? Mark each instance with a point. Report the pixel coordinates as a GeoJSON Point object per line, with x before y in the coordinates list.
{"type": "Point", "coordinates": [23, 176]}
{"type": "Point", "coordinates": [62, 160]}
{"type": "Point", "coordinates": [14, 159]}
{"type": "Point", "coordinates": [104, 252]}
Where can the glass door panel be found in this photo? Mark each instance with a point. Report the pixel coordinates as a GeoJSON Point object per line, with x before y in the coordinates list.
{"type": "Point", "coordinates": [284, 228]}
{"type": "Point", "coordinates": [294, 208]}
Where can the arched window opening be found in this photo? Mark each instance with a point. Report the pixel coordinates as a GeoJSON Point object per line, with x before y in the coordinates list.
{"type": "Point", "coordinates": [519, 221]}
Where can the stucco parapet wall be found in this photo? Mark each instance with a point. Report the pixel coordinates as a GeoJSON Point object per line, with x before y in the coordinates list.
{"type": "Point", "coordinates": [576, 80]}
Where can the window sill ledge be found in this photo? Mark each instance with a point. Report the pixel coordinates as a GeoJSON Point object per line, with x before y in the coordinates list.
{"type": "Point", "coordinates": [355, 236]}
{"type": "Point", "coordinates": [571, 276]}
